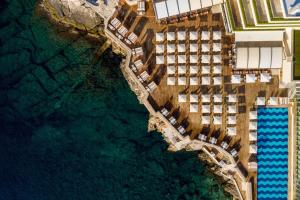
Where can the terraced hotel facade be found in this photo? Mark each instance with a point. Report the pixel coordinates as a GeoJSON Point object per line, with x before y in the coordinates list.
{"type": "Point", "coordinates": [220, 77]}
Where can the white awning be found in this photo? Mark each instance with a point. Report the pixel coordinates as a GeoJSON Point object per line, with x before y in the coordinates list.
{"type": "Point", "coordinates": [231, 109]}
{"type": "Point", "coordinates": [181, 59]}
{"type": "Point", "coordinates": [217, 120]}
{"type": "Point", "coordinates": [253, 148]}
{"type": "Point", "coordinates": [276, 57]}
{"type": "Point", "coordinates": [181, 35]}
{"type": "Point", "coordinates": [217, 59]}
{"type": "Point", "coordinates": [172, 7]}
{"type": "Point", "coordinates": [184, 6]}
{"type": "Point", "coordinates": [265, 77]}
{"type": "Point", "coordinates": [181, 98]}
{"type": "Point", "coordinates": [218, 98]}
{"type": "Point", "coordinates": [181, 69]}
{"type": "Point", "coordinates": [265, 57]}
{"type": "Point", "coordinates": [218, 109]}
{"type": "Point", "coordinates": [259, 36]}
{"type": "Point", "coordinates": [159, 37]}
{"type": "Point", "coordinates": [171, 81]}
{"type": "Point", "coordinates": [231, 120]}
{"type": "Point", "coordinates": [159, 60]}
{"type": "Point", "coordinates": [273, 101]}
{"type": "Point", "coordinates": [253, 115]}
{"type": "Point", "coordinates": [205, 47]}
{"type": "Point", "coordinates": [171, 48]}
{"type": "Point", "coordinates": [193, 98]}
{"type": "Point", "coordinates": [217, 80]}
{"type": "Point", "coordinates": [232, 98]}
{"type": "Point", "coordinates": [181, 80]}
{"type": "Point", "coordinates": [193, 59]}
{"type": "Point", "coordinates": [205, 59]}
{"type": "Point", "coordinates": [217, 35]}
{"type": "Point", "coordinates": [195, 4]}
{"type": "Point", "coordinates": [205, 120]}
{"type": "Point", "coordinates": [161, 10]}
{"type": "Point", "coordinates": [170, 36]}
{"type": "Point", "coordinates": [205, 35]}
{"type": "Point", "coordinates": [261, 101]}
{"type": "Point", "coordinates": [181, 48]}
{"type": "Point", "coordinates": [236, 79]}
{"type": "Point", "coordinates": [242, 58]}
{"type": "Point", "coordinates": [253, 57]}
{"type": "Point", "coordinates": [206, 109]}
{"type": "Point", "coordinates": [194, 81]}
{"type": "Point", "coordinates": [216, 47]}
{"type": "Point", "coordinates": [231, 131]}
{"type": "Point", "coordinates": [160, 48]}
{"type": "Point", "coordinates": [217, 69]}
{"type": "Point", "coordinates": [194, 69]}
{"type": "Point", "coordinates": [193, 35]}
{"type": "Point", "coordinates": [205, 69]}
{"type": "Point", "coordinates": [250, 78]}
{"type": "Point", "coordinates": [205, 98]}
{"type": "Point", "coordinates": [193, 47]}
{"type": "Point", "coordinates": [206, 3]}
{"type": "Point", "coordinates": [170, 59]}
{"type": "Point", "coordinates": [193, 107]}
{"type": "Point", "coordinates": [205, 80]}
{"type": "Point", "coordinates": [171, 69]}
{"type": "Point", "coordinates": [252, 136]}
{"type": "Point", "coordinates": [252, 126]}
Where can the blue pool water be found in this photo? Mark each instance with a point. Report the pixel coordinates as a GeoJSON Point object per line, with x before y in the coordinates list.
{"type": "Point", "coordinates": [272, 155]}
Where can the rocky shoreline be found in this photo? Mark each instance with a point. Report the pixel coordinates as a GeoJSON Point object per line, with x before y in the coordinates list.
{"type": "Point", "coordinates": [76, 15]}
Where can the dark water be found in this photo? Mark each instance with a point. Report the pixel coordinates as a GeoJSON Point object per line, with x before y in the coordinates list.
{"type": "Point", "coordinates": [72, 129]}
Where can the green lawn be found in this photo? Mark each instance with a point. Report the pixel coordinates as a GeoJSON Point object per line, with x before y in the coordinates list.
{"type": "Point", "coordinates": [297, 54]}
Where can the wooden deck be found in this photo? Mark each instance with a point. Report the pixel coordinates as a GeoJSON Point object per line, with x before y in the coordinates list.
{"type": "Point", "coordinates": [145, 27]}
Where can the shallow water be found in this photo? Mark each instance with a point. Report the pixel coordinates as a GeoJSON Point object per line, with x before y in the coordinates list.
{"type": "Point", "coordinates": [72, 129]}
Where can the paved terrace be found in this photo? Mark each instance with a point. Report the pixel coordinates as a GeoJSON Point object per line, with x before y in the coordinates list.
{"type": "Point", "coordinates": [141, 31]}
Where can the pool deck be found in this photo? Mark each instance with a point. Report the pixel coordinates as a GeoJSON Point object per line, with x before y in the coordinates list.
{"type": "Point", "coordinates": [147, 26]}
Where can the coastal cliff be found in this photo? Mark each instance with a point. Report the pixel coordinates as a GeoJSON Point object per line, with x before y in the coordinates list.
{"type": "Point", "coordinates": [78, 14]}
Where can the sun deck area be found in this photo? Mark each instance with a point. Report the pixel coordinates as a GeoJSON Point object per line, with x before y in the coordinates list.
{"type": "Point", "coordinates": [187, 64]}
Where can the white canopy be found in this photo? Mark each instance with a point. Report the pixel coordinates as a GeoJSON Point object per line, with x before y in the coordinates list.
{"type": "Point", "coordinates": [170, 59]}
{"type": "Point", "coordinates": [182, 80]}
{"type": "Point", "coordinates": [184, 6]}
{"type": "Point", "coordinates": [194, 69]}
{"type": "Point", "coordinates": [181, 98]}
{"type": "Point", "coordinates": [170, 36]}
{"type": "Point", "coordinates": [161, 10]}
{"type": "Point", "coordinates": [193, 35]}
{"type": "Point", "coordinates": [205, 69]}
{"type": "Point", "coordinates": [218, 109]}
{"type": "Point", "coordinates": [205, 98]}
{"type": "Point", "coordinates": [193, 98]}
{"type": "Point", "coordinates": [171, 69]}
{"type": "Point", "coordinates": [181, 59]}
{"type": "Point", "coordinates": [231, 120]}
{"type": "Point", "coordinates": [252, 125]}
{"type": "Point", "coordinates": [231, 109]}
{"type": "Point", "coordinates": [217, 80]}
{"type": "Point", "coordinates": [265, 77]}
{"type": "Point", "coordinates": [236, 79]}
{"type": "Point", "coordinates": [242, 58]}
{"type": "Point", "coordinates": [217, 120]}
{"type": "Point", "coordinates": [205, 59]}
{"type": "Point", "coordinates": [250, 78]}
{"type": "Point", "coordinates": [171, 80]}
{"type": "Point", "coordinates": [160, 48]}
{"type": "Point", "coordinates": [217, 58]}
{"type": "Point", "coordinates": [193, 107]}
{"type": "Point", "coordinates": [206, 109]}
{"type": "Point", "coordinates": [172, 7]}
{"type": "Point", "coordinates": [261, 101]}
{"type": "Point", "coordinates": [216, 47]}
{"type": "Point", "coordinates": [171, 48]}
{"type": "Point", "coordinates": [205, 47]}
{"type": "Point", "coordinates": [205, 120]}
{"type": "Point", "coordinates": [217, 69]}
{"type": "Point", "coordinates": [217, 35]}
{"type": "Point", "coordinates": [252, 136]}
{"type": "Point", "coordinates": [273, 101]}
{"type": "Point", "coordinates": [159, 60]}
{"type": "Point", "coordinates": [195, 4]}
{"type": "Point", "coordinates": [181, 34]}
{"type": "Point", "coordinates": [258, 36]}
{"type": "Point", "coordinates": [205, 80]}
{"type": "Point", "coordinates": [159, 37]}
{"type": "Point", "coordinates": [253, 115]}
{"type": "Point", "coordinates": [193, 59]}
{"type": "Point", "coordinates": [194, 81]}
{"type": "Point", "coordinates": [253, 57]}
{"type": "Point", "coordinates": [193, 47]}
{"type": "Point", "coordinates": [253, 148]}
{"type": "Point", "coordinates": [181, 48]}
{"type": "Point", "coordinates": [181, 69]}
{"type": "Point", "coordinates": [218, 98]}
{"type": "Point", "coordinates": [232, 98]}
{"type": "Point", "coordinates": [231, 131]}
{"type": "Point", "coordinates": [205, 35]}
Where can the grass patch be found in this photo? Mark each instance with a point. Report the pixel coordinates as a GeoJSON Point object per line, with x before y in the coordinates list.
{"type": "Point", "coordinates": [296, 55]}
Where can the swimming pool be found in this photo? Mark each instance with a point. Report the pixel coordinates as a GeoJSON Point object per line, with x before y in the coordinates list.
{"type": "Point", "coordinates": [272, 154]}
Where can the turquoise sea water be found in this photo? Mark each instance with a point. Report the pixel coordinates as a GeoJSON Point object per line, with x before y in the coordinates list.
{"type": "Point", "coordinates": [72, 129]}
